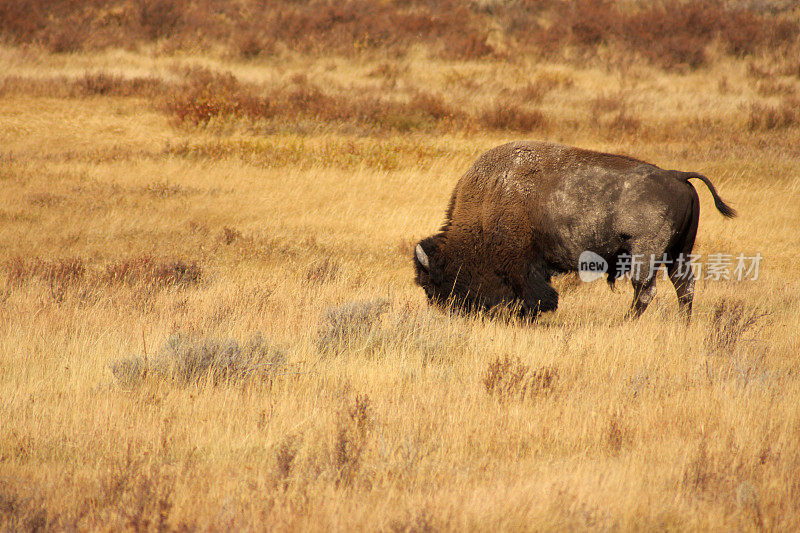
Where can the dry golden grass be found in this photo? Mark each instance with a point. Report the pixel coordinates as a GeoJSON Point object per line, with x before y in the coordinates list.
{"type": "Point", "coordinates": [134, 251]}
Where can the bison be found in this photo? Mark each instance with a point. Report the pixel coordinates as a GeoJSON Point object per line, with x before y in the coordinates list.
{"type": "Point", "coordinates": [527, 210]}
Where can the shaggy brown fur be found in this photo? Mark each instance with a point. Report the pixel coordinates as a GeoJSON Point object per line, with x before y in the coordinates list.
{"type": "Point", "coordinates": [526, 210]}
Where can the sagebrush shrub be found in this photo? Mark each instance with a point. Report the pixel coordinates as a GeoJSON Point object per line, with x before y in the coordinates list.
{"type": "Point", "coordinates": [366, 328]}
{"type": "Point", "coordinates": [349, 325]}
{"type": "Point", "coordinates": [186, 358]}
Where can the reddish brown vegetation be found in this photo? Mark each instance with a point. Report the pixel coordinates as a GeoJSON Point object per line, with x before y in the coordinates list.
{"type": "Point", "coordinates": [61, 271]}
{"type": "Point", "coordinates": [766, 117]}
{"type": "Point", "coordinates": [322, 271]}
{"type": "Point", "coordinates": [250, 28]}
{"type": "Point", "coordinates": [206, 95]}
{"type": "Point", "coordinates": [611, 112]}
{"type": "Point", "coordinates": [143, 270]}
{"type": "Point", "coordinates": [545, 82]}
{"type": "Point", "coordinates": [90, 84]}
{"type": "Point", "coordinates": [506, 378]}
{"type": "Point", "coordinates": [669, 33]}
{"type": "Point", "coordinates": [110, 85]}
{"type": "Point", "coordinates": [147, 270]}
{"type": "Point", "coordinates": [509, 116]}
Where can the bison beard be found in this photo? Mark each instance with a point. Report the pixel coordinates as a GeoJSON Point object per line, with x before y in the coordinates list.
{"type": "Point", "coordinates": [526, 210]}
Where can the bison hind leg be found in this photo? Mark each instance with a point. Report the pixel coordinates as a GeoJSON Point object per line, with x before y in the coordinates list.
{"type": "Point", "coordinates": [682, 277]}
{"type": "Point", "coordinates": [538, 295]}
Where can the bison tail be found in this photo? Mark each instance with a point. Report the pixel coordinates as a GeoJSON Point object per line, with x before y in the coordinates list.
{"type": "Point", "coordinates": [722, 207]}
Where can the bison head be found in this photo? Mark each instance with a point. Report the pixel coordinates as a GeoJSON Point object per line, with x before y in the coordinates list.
{"type": "Point", "coordinates": [452, 281]}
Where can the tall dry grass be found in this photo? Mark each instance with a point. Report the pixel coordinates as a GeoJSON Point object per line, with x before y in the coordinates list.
{"type": "Point", "coordinates": [212, 324]}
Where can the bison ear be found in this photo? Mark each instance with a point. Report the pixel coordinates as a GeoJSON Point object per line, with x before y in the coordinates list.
{"type": "Point", "coordinates": [422, 257]}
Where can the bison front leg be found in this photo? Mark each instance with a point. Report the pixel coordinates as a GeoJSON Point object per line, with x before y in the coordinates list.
{"type": "Point", "coordinates": [645, 266]}
{"type": "Point", "coordinates": [643, 294]}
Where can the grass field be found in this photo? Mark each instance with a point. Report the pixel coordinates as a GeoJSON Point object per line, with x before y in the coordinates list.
{"type": "Point", "coordinates": [208, 318]}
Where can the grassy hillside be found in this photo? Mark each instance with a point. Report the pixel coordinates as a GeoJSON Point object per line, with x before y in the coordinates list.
{"type": "Point", "coordinates": [207, 311]}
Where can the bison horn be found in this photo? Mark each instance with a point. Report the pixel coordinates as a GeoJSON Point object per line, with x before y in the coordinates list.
{"type": "Point", "coordinates": [422, 257]}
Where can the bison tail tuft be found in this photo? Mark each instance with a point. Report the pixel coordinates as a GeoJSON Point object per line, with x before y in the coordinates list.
{"type": "Point", "coordinates": [726, 210]}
